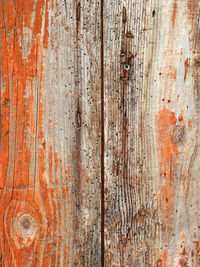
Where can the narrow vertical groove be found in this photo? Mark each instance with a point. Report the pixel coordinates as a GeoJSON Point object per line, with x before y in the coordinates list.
{"type": "Point", "coordinates": [102, 138]}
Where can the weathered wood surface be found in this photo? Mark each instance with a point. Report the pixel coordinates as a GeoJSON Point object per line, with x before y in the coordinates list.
{"type": "Point", "coordinates": [50, 133]}
{"type": "Point", "coordinates": [152, 144]}
{"type": "Point", "coordinates": [55, 152]}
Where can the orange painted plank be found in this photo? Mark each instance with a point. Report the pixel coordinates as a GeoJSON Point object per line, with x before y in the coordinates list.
{"type": "Point", "coordinates": [49, 133]}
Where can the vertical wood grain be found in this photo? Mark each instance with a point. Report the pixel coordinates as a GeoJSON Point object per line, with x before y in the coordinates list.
{"type": "Point", "coordinates": [151, 51]}
{"type": "Point", "coordinates": [50, 183]}
{"type": "Point", "coordinates": [54, 94]}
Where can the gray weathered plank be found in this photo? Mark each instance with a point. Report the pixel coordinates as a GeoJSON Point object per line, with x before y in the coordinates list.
{"type": "Point", "coordinates": [151, 51]}
{"type": "Point", "coordinates": [74, 79]}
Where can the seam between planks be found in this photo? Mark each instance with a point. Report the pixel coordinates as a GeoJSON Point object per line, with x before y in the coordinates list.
{"type": "Point", "coordinates": [102, 136]}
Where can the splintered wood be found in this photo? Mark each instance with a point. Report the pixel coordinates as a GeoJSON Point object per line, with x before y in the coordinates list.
{"type": "Point", "coordinates": [99, 133]}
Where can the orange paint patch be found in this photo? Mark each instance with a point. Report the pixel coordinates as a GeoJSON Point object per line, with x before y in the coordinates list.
{"type": "Point", "coordinates": [46, 32]}
{"type": "Point", "coordinates": [186, 68]}
{"type": "Point", "coordinates": [174, 13]}
{"type": "Point", "coordinates": [21, 126]}
{"type": "Point", "coordinates": [172, 74]}
{"type": "Point", "coordinates": [51, 165]}
{"type": "Point", "coordinates": [184, 186]}
{"type": "Point", "coordinates": [162, 262]}
{"type": "Point", "coordinates": [192, 9]}
{"type": "Point", "coordinates": [87, 179]}
{"type": "Point", "coordinates": [183, 261]}
{"type": "Point", "coordinates": [196, 251]}
{"type": "Point", "coordinates": [180, 117]}
{"type": "Point", "coordinates": [166, 121]}
{"type": "Point", "coordinates": [189, 123]}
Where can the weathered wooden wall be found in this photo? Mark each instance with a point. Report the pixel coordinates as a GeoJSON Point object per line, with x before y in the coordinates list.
{"type": "Point", "coordinates": [99, 133]}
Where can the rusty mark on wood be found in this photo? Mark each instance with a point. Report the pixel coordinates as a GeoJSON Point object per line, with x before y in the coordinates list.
{"type": "Point", "coordinates": [172, 72]}
{"type": "Point", "coordinates": [174, 13]}
{"type": "Point", "coordinates": [162, 262]}
{"type": "Point", "coordinates": [186, 64]}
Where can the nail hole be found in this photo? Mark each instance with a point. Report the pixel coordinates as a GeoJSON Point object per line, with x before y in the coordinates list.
{"type": "Point", "coordinates": [126, 67]}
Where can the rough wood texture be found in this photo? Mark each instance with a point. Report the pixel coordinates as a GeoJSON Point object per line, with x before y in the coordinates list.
{"type": "Point", "coordinates": [50, 133]}
{"type": "Point", "coordinates": [55, 150]}
{"type": "Point", "coordinates": [152, 143]}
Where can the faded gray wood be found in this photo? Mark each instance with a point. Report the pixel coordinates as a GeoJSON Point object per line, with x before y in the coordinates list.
{"type": "Point", "coordinates": [151, 51]}
{"type": "Point", "coordinates": [51, 108]}
{"type": "Point", "coordinates": [72, 102]}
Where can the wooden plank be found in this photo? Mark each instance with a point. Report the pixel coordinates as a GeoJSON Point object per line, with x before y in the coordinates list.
{"type": "Point", "coordinates": [151, 51]}
{"type": "Point", "coordinates": [50, 133]}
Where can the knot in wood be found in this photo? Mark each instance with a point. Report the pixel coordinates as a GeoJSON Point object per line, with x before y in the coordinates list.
{"type": "Point", "coordinates": [23, 225]}
{"type": "Point", "coordinates": [26, 228]}
{"type": "Point", "coordinates": [26, 224]}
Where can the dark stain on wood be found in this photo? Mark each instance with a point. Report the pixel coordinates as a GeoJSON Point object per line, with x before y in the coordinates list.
{"type": "Point", "coordinates": [126, 65]}
{"type": "Point", "coordinates": [129, 35]}
{"type": "Point", "coordinates": [179, 135]}
{"type": "Point", "coordinates": [124, 15]}
{"type": "Point", "coordinates": [78, 11]}
{"type": "Point", "coordinates": [78, 116]}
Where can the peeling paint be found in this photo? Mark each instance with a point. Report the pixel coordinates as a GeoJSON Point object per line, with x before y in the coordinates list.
{"type": "Point", "coordinates": [166, 121]}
